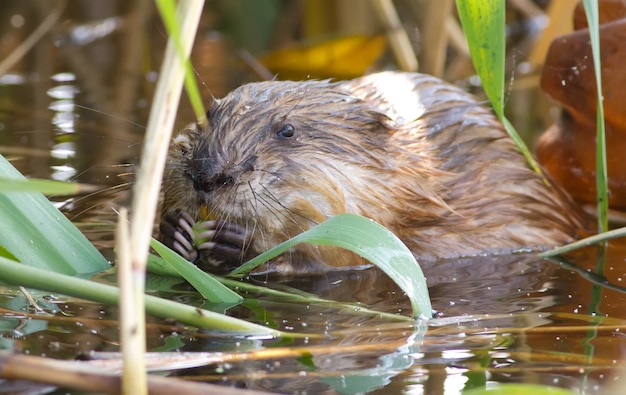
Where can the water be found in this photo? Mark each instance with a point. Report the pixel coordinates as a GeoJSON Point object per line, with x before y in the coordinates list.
{"type": "Point", "coordinates": [499, 319]}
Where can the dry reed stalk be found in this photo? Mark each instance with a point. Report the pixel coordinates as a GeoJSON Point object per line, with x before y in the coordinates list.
{"type": "Point", "coordinates": [398, 39]}
{"type": "Point", "coordinates": [146, 191]}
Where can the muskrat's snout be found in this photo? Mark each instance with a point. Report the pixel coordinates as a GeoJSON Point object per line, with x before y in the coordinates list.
{"type": "Point", "coordinates": [207, 175]}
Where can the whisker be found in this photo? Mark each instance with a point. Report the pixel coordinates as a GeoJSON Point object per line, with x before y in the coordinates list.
{"type": "Point", "coordinates": [111, 115]}
{"type": "Point", "coordinates": [88, 209]}
{"type": "Point", "coordinates": [292, 214]}
{"type": "Point", "coordinates": [94, 168]}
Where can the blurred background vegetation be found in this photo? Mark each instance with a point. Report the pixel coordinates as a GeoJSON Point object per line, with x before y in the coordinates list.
{"type": "Point", "coordinates": [114, 47]}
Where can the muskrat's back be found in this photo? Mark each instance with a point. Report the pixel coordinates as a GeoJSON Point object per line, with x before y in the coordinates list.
{"type": "Point", "coordinates": [418, 155]}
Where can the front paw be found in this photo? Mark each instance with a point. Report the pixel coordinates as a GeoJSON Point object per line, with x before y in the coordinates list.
{"type": "Point", "coordinates": [215, 246]}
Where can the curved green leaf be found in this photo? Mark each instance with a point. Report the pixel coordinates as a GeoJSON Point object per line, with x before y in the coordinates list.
{"type": "Point", "coordinates": [370, 240]}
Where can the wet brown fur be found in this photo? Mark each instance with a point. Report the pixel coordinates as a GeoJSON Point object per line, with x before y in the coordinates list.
{"type": "Point", "coordinates": [432, 165]}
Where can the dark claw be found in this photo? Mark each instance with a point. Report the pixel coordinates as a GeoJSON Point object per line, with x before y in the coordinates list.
{"type": "Point", "coordinates": [222, 232]}
{"type": "Point", "coordinates": [176, 233]}
{"type": "Point", "coordinates": [215, 246]}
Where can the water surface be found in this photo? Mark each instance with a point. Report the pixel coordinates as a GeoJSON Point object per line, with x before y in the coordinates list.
{"type": "Point", "coordinates": [71, 111]}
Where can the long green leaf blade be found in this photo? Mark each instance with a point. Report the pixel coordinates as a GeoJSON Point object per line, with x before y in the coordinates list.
{"type": "Point", "coordinates": [19, 274]}
{"type": "Point", "coordinates": [34, 231]}
{"type": "Point", "coordinates": [167, 10]}
{"type": "Point", "coordinates": [157, 265]}
{"type": "Point", "coordinates": [483, 23]}
{"type": "Point", "coordinates": [373, 242]}
{"type": "Point", "coordinates": [211, 289]}
{"type": "Point", "coordinates": [47, 187]}
{"type": "Point", "coordinates": [591, 10]}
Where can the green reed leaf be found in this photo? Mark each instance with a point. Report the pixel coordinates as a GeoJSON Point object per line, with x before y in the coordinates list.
{"type": "Point", "coordinates": [591, 240]}
{"type": "Point", "coordinates": [370, 240]}
{"type": "Point", "coordinates": [591, 10]}
{"type": "Point", "coordinates": [167, 10]}
{"type": "Point", "coordinates": [210, 288]}
{"type": "Point", "coordinates": [483, 23]}
{"type": "Point", "coordinates": [157, 265]}
{"type": "Point", "coordinates": [47, 187]}
{"type": "Point", "coordinates": [16, 273]}
{"type": "Point", "coordinates": [33, 230]}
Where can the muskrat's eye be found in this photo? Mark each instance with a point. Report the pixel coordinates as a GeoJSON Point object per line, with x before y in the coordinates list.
{"type": "Point", "coordinates": [287, 131]}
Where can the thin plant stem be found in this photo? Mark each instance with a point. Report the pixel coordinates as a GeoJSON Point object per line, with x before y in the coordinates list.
{"type": "Point", "coordinates": [16, 273]}
{"type": "Point", "coordinates": [398, 38]}
{"type": "Point", "coordinates": [132, 342]}
{"type": "Point", "coordinates": [595, 239]}
{"type": "Point", "coordinates": [591, 10]}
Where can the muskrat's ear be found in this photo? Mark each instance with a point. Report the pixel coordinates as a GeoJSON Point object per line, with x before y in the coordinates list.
{"type": "Point", "coordinates": [187, 133]}
{"type": "Point", "coordinates": [387, 124]}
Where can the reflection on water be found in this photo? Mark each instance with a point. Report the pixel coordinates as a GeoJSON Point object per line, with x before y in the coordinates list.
{"type": "Point", "coordinates": [78, 116]}
{"type": "Point", "coordinates": [507, 319]}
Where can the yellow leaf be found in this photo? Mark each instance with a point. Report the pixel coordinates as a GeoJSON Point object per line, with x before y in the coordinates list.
{"type": "Point", "coordinates": [341, 58]}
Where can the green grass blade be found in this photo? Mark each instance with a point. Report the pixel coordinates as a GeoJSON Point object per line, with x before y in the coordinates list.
{"type": "Point", "coordinates": [167, 10]}
{"type": "Point", "coordinates": [33, 230]}
{"type": "Point", "coordinates": [483, 23]}
{"type": "Point", "coordinates": [370, 240]}
{"type": "Point", "coordinates": [591, 10]}
{"type": "Point", "coordinates": [158, 266]}
{"type": "Point", "coordinates": [19, 274]}
{"type": "Point", "coordinates": [47, 187]}
{"type": "Point", "coordinates": [211, 289]}
{"type": "Point", "coordinates": [586, 242]}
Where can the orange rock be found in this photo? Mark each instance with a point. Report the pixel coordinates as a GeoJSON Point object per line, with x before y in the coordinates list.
{"type": "Point", "coordinates": [567, 149]}
{"type": "Point", "coordinates": [609, 10]}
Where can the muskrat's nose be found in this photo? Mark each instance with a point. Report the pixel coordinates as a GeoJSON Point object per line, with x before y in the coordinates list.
{"type": "Point", "coordinates": [207, 175]}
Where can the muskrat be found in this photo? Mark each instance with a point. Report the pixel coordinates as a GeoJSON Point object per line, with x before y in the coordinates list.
{"type": "Point", "coordinates": [416, 154]}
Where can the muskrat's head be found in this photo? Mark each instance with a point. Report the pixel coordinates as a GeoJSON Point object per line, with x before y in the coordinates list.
{"type": "Point", "coordinates": [280, 157]}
